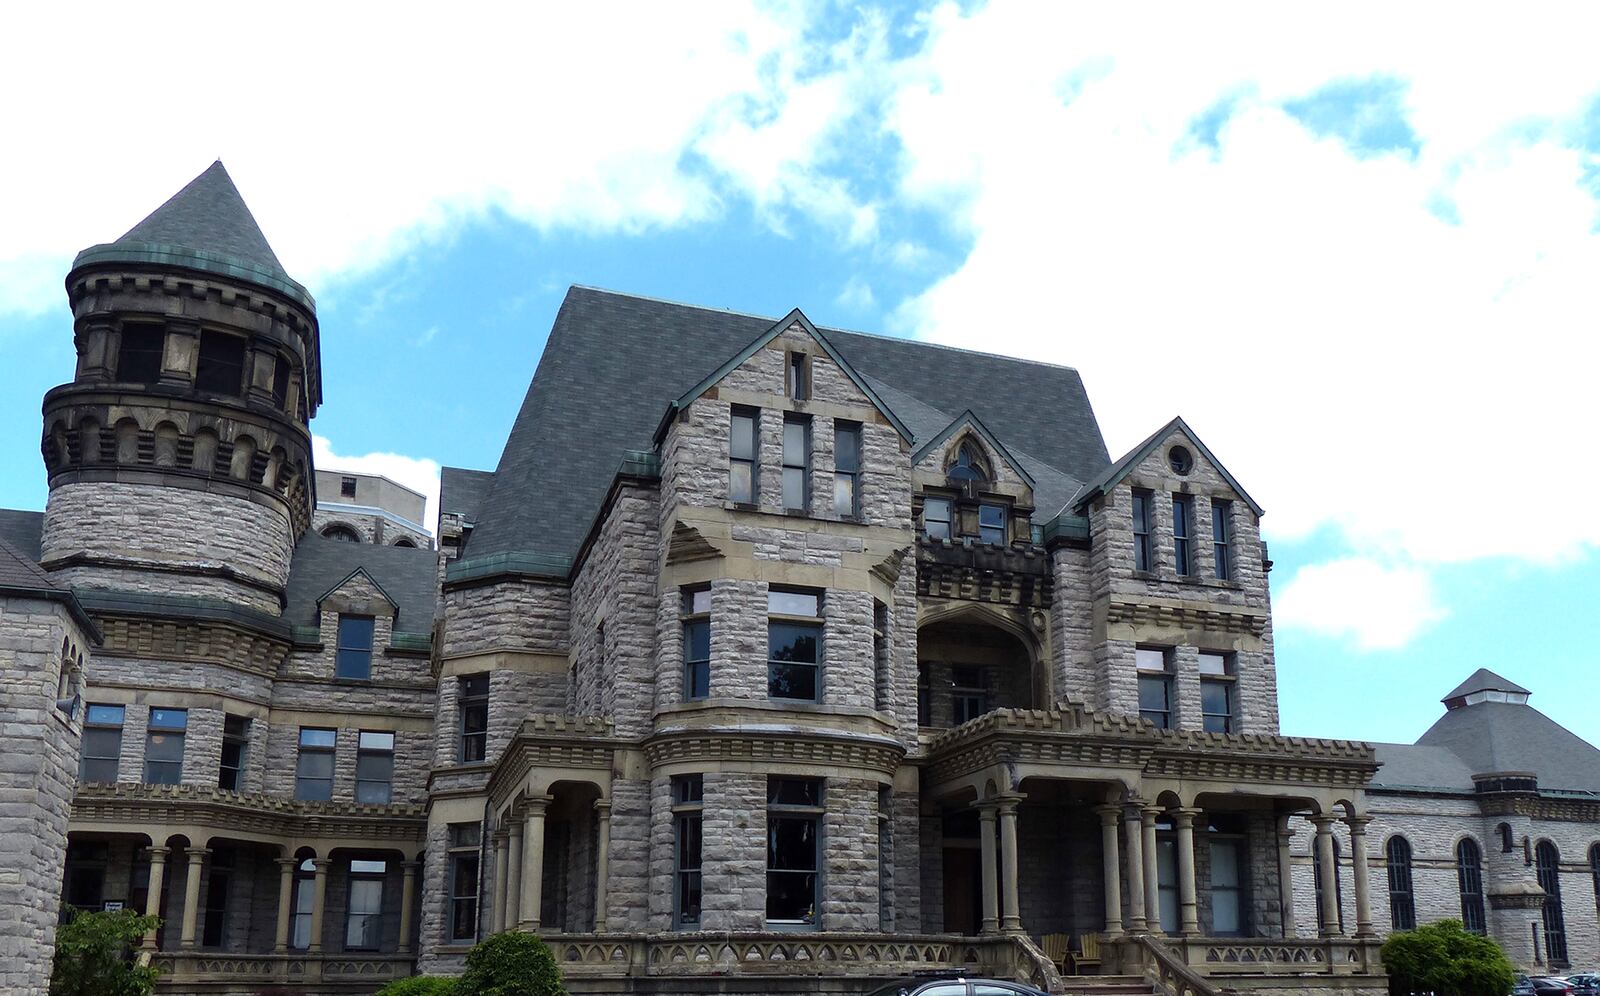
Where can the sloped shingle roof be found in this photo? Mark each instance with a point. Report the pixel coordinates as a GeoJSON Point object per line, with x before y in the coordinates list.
{"type": "Point", "coordinates": [407, 575]}
{"type": "Point", "coordinates": [1485, 680]}
{"type": "Point", "coordinates": [23, 530]}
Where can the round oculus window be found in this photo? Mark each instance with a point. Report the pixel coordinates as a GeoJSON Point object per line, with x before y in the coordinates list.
{"type": "Point", "coordinates": [1179, 460]}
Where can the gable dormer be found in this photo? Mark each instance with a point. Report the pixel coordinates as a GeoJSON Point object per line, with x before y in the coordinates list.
{"type": "Point", "coordinates": [968, 486]}
{"type": "Point", "coordinates": [357, 620]}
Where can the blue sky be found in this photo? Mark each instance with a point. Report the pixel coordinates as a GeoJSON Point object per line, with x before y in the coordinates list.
{"type": "Point", "coordinates": [1361, 267]}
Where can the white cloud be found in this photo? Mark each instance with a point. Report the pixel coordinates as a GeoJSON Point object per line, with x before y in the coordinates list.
{"type": "Point", "coordinates": [855, 295]}
{"type": "Point", "coordinates": [417, 473]}
{"type": "Point", "coordinates": [1378, 606]}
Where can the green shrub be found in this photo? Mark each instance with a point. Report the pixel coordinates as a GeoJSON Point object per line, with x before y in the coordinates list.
{"type": "Point", "coordinates": [1444, 959]}
{"type": "Point", "coordinates": [94, 955]}
{"type": "Point", "coordinates": [420, 985]}
{"type": "Point", "coordinates": [510, 964]}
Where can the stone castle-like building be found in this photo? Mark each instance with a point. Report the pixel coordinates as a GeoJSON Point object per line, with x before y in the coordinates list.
{"type": "Point", "coordinates": [769, 658]}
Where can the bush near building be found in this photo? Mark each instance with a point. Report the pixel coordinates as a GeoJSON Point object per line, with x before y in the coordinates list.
{"type": "Point", "coordinates": [506, 964]}
{"type": "Point", "coordinates": [94, 955]}
{"type": "Point", "coordinates": [1446, 960]}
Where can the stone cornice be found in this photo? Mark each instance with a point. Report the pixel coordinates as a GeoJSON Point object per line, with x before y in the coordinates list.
{"type": "Point", "coordinates": [1542, 807]}
{"type": "Point", "coordinates": [221, 810]}
{"type": "Point", "coordinates": [787, 746]}
{"type": "Point", "coordinates": [1213, 616]}
{"type": "Point", "coordinates": [551, 741]}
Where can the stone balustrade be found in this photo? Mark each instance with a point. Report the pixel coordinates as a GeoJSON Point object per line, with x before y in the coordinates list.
{"type": "Point", "coordinates": [181, 968]}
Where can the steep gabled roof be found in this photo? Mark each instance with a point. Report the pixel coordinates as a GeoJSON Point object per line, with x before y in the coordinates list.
{"type": "Point", "coordinates": [358, 572]}
{"type": "Point", "coordinates": [1485, 680]}
{"type": "Point", "coordinates": [24, 530]}
{"type": "Point", "coordinates": [1114, 474]}
{"type": "Point", "coordinates": [406, 576]}
{"type": "Point", "coordinates": [22, 577]}
{"type": "Point", "coordinates": [614, 362]}
{"type": "Point", "coordinates": [461, 491]}
{"type": "Point", "coordinates": [964, 420]}
{"type": "Point", "coordinates": [782, 325]}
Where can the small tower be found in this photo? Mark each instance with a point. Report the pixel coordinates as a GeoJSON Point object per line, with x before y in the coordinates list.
{"type": "Point", "coordinates": [179, 456]}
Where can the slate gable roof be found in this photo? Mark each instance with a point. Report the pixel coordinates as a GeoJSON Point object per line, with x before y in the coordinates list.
{"type": "Point", "coordinates": [614, 362]}
{"type": "Point", "coordinates": [1113, 475]}
{"type": "Point", "coordinates": [24, 530]}
{"type": "Point", "coordinates": [21, 576]}
{"type": "Point", "coordinates": [407, 576]}
{"type": "Point", "coordinates": [461, 491]}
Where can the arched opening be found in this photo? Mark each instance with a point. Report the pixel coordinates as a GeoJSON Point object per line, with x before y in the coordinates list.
{"type": "Point", "coordinates": [1508, 841]}
{"type": "Point", "coordinates": [1548, 862]}
{"type": "Point", "coordinates": [405, 543]}
{"type": "Point", "coordinates": [1402, 907]}
{"type": "Point", "coordinates": [571, 837]}
{"type": "Point", "coordinates": [342, 533]}
{"type": "Point", "coordinates": [1469, 879]}
{"type": "Point", "coordinates": [968, 666]}
{"type": "Point", "coordinates": [968, 464]}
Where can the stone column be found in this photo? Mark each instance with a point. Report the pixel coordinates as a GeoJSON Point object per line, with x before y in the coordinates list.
{"type": "Point", "coordinates": [602, 861]}
{"type": "Point", "coordinates": [408, 900]}
{"type": "Point", "coordinates": [991, 912]}
{"type": "Point", "coordinates": [1327, 878]}
{"type": "Point", "coordinates": [191, 895]}
{"type": "Point", "coordinates": [497, 909]}
{"type": "Point", "coordinates": [258, 370]}
{"type": "Point", "coordinates": [319, 897]}
{"type": "Point", "coordinates": [1152, 869]}
{"type": "Point", "coordinates": [286, 868]}
{"type": "Point", "coordinates": [1109, 817]}
{"type": "Point", "coordinates": [1133, 826]}
{"type": "Point", "coordinates": [1010, 908]}
{"type": "Point", "coordinates": [152, 902]}
{"type": "Point", "coordinates": [1358, 868]}
{"type": "Point", "coordinates": [532, 862]}
{"type": "Point", "coordinates": [1286, 875]}
{"type": "Point", "coordinates": [1189, 921]}
{"type": "Point", "coordinates": [180, 353]}
{"type": "Point", "coordinates": [513, 914]}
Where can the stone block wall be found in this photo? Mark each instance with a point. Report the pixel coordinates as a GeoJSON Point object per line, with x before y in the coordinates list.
{"type": "Point", "coordinates": [734, 842]}
{"type": "Point", "coordinates": [850, 898]}
{"type": "Point", "coordinates": [616, 589]}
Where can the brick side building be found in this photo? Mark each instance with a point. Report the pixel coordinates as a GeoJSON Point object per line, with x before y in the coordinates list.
{"type": "Point", "coordinates": [768, 657]}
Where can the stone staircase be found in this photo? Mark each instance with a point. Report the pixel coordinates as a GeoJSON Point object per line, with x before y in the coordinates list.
{"type": "Point", "coordinates": [1104, 985]}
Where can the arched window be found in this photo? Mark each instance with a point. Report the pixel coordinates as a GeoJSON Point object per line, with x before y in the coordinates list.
{"type": "Point", "coordinates": [1402, 909]}
{"type": "Point", "coordinates": [968, 465]}
{"type": "Point", "coordinates": [1548, 860]}
{"type": "Point", "coordinates": [1469, 877]}
{"type": "Point", "coordinates": [405, 543]}
{"type": "Point", "coordinates": [1508, 842]}
{"type": "Point", "coordinates": [343, 534]}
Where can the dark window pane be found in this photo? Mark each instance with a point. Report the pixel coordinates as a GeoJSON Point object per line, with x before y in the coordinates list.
{"type": "Point", "coordinates": [313, 790]}
{"type": "Point", "coordinates": [991, 524]}
{"type": "Point", "coordinates": [280, 383]}
{"type": "Point", "coordinates": [316, 764]}
{"type": "Point", "coordinates": [697, 679]}
{"type": "Point", "coordinates": [355, 632]}
{"type": "Point", "coordinates": [794, 792]}
{"type": "Point", "coordinates": [354, 664]}
{"type": "Point", "coordinates": [220, 369]}
{"type": "Point", "coordinates": [792, 681]}
{"type": "Point", "coordinates": [788, 641]}
{"type": "Point", "coordinates": [169, 719]}
{"type": "Point", "coordinates": [697, 640]}
{"type": "Point", "coordinates": [139, 355]}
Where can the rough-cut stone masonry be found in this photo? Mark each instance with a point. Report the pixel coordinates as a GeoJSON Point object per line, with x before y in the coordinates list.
{"type": "Point", "coordinates": [614, 613]}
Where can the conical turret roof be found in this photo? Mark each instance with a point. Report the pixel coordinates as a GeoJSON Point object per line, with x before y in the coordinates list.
{"type": "Point", "coordinates": [204, 226]}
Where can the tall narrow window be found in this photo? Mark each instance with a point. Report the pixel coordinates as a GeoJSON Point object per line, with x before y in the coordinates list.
{"type": "Point", "coordinates": [924, 695]}
{"type": "Point", "coordinates": [696, 643]}
{"type": "Point", "coordinates": [163, 747]}
{"type": "Point", "coordinates": [847, 469]}
{"type": "Point", "coordinates": [313, 768]}
{"type": "Point", "coordinates": [473, 691]}
{"type": "Point", "coordinates": [1508, 842]}
{"type": "Point", "coordinates": [1216, 693]}
{"type": "Point", "coordinates": [880, 656]}
{"type": "Point", "coordinates": [1548, 862]}
{"type": "Point", "coordinates": [218, 879]}
{"type": "Point", "coordinates": [235, 746]}
{"type": "Point", "coordinates": [1469, 878]}
{"type": "Point", "coordinates": [992, 524]}
{"type": "Point", "coordinates": [1155, 686]}
{"type": "Point", "coordinates": [364, 917]}
{"type": "Point", "coordinates": [305, 894]}
{"type": "Point", "coordinates": [1227, 888]}
{"type": "Point", "coordinates": [1402, 907]}
{"type": "Point", "coordinates": [936, 518]}
{"type": "Point", "coordinates": [465, 839]}
{"type": "Point", "coordinates": [1167, 876]}
{"type": "Point", "coordinates": [794, 825]}
{"type": "Point", "coordinates": [355, 648]}
{"type": "Point", "coordinates": [969, 692]}
{"type": "Point", "coordinates": [794, 644]}
{"type": "Point", "coordinates": [375, 768]}
{"type": "Point", "coordinates": [102, 743]}
{"type": "Point", "coordinates": [1220, 546]}
{"type": "Point", "coordinates": [796, 463]}
{"type": "Point", "coordinates": [220, 369]}
{"type": "Point", "coordinates": [742, 450]}
{"type": "Point", "coordinates": [688, 800]}
{"type": "Point", "coordinates": [139, 353]}
{"type": "Point", "coordinates": [798, 379]}
{"type": "Point", "coordinates": [280, 382]}
{"type": "Point", "coordinates": [1141, 531]}
{"type": "Point", "coordinates": [1182, 528]}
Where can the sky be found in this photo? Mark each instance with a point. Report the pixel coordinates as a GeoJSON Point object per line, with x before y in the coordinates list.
{"type": "Point", "coordinates": [1355, 247]}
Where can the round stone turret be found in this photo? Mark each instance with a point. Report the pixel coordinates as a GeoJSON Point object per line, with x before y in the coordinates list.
{"type": "Point", "coordinates": [179, 456]}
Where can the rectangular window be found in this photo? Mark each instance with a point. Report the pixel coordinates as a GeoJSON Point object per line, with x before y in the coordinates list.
{"type": "Point", "coordinates": [355, 648]}
{"type": "Point", "coordinates": [797, 381]}
{"type": "Point", "coordinates": [1167, 877]}
{"type": "Point", "coordinates": [742, 449]}
{"type": "Point", "coordinates": [280, 382]}
{"type": "Point", "coordinates": [936, 518]}
{"type": "Point", "coordinates": [794, 643]}
{"type": "Point", "coordinates": [1155, 686]}
{"type": "Point", "coordinates": [1216, 692]}
{"type": "Point", "coordinates": [794, 825]}
{"type": "Point", "coordinates": [696, 643]}
{"type": "Point", "coordinates": [1221, 511]}
{"type": "Point", "coordinates": [992, 524]}
{"type": "Point", "coordinates": [235, 746]}
{"type": "Point", "coordinates": [102, 743]}
{"type": "Point", "coordinates": [969, 692]}
{"type": "Point", "coordinates": [1141, 531]}
{"type": "Point", "coordinates": [688, 798]}
{"type": "Point", "coordinates": [305, 893]}
{"type": "Point", "coordinates": [1182, 528]}
{"type": "Point", "coordinates": [163, 746]}
{"type": "Point", "coordinates": [375, 768]}
{"type": "Point", "coordinates": [313, 769]}
{"type": "Point", "coordinates": [220, 369]}
{"type": "Point", "coordinates": [473, 693]}
{"type": "Point", "coordinates": [796, 463]}
{"type": "Point", "coordinates": [347, 487]}
{"type": "Point", "coordinates": [364, 919]}
{"type": "Point", "coordinates": [139, 354]}
{"type": "Point", "coordinates": [847, 469]}
{"type": "Point", "coordinates": [218, 879]}
{"type": "Point", "coordinates": [465, 839]}
{"type": "Point", "coordinates": [880, 655]}
{"type": "Point", "coordinates": [1227, 906]}
{"type": "Point", "coordinates": [924, 695]}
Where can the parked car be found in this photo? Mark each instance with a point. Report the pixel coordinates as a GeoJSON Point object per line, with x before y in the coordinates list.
{"type": "Point", "coordinates": [956, 986]}
{"type": "Point", "coordinates": [1585, 983]}
{"type": "Point", "coordinates": [1542, 985]}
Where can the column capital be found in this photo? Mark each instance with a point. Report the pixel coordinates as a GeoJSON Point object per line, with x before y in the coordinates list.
{"type": "Point", "coordinates": [988, 811]}
{"type": "Point", "coordinates": [1358, 824]}
{"type": "Point", "coordinates": [1109, 813]}
{"type": "Point", "coordinates": [1149, 812]}
{"type": "Point", "coordinates": [513, 827]}
{"type": "Point", "coordinates": [288, 864]}
{"type": "Point", "coordinates": [198, 854]}
{"type": "Point", "coordinates": [410, 867]}
{"type": "Point", "coordinates": [158, 855]}
{"type": "Point", "coordinates": [1323, 822]}
{"type": "Point", "coordinates": [500, 837]}
{"type": "Point", "coordinates": [603, 808]}
{"type": "Point", "coordinates": [1183, 816]}
{"type": "Point", "coordinates": [321, 865]}
{"type": "Point", "coordinates": [1285, 823]}
{"type": "Point", "coordinates": [1007, 803]}
{"type": "Point", "coordinates": [535, 805]}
